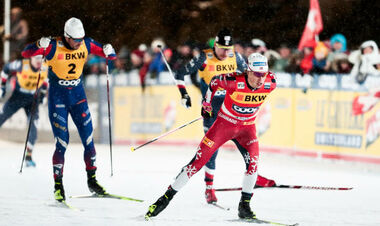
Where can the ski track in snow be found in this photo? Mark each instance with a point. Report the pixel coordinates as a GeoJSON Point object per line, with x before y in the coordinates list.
{"type": "Point", "coordinates": [27, 198]}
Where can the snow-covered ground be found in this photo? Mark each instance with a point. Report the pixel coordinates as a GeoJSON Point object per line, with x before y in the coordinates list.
{"type": "Point", "coordinates": [27, 198]}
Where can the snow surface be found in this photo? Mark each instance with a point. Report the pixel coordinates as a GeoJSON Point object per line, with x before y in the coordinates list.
{"type": "Point", "coordinates": [27, 198]}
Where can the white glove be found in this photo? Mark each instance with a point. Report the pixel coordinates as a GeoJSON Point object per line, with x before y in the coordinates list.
{"type": "Point", "coordinates": [44, 42]}
{"type": "Point", "coordinates": [108, 50]}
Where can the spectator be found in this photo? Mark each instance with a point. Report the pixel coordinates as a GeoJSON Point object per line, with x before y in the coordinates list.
{"type": "Point", "coordinates": [249, 49]}
{"type": "Point", "coordinates": [366, 61]}
{"type": "Point", "coordinates": [123, 61]}
{"type": "Point", "coordinates": [295, 63]}
{"type": "Point", "coordinates": [157, 65]}
{"type": "Point", "coordinates": [182, 56]}
{"type": "Point", "coordinates": [97, 65]}
{"type": "Point", "coordinates": [341, 64]}
{"type": "Point", "coordinates": [147, 60]}
{"type": "Point", "coordinates": [196, 50]}
{"type": "Point", "coordinates": [239, 47]}
{"type": "Point", "coordinates": [19, 33]}
{"type": "Point", "coordinates": [337, 60]}
{"type": "Point", "coordinates": [306, 63]}
{"type": "Point", "coordinates": [320, 58]}
{"type": "Point", "coordinates": [168, 53]}
{"type": "Point", "coordinates": [137, 57]}
{"type": "Point", "coordinates": [259, 46]}
{"type": "Point", "coordinates": [281, 63]}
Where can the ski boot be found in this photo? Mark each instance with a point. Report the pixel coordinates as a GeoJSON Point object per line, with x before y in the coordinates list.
{"type": "Point", "coordinates": [93, 184]}
{"type": "Point", "coordinates": [160, 204]}
{"type": "Point", "coordinates": [29, 162]}
{"type": "Point", "coordinates": [59, 192]}
{"type": "Point", "coordinates": [210, 196]}
{"type": "Point", "coordinates": [245, 211]}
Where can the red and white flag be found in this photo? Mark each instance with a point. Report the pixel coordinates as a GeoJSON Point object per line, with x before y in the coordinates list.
{"type": "Point", "coordinates": [364, 103]}
{"type": "Point", "coordinates": [313, 26]}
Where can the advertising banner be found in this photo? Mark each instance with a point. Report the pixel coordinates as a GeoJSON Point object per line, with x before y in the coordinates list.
{"type": "Point", "coordinates": [308, 119]}
{"type": "Point", "coordinates": [318, 120]}
{"type": "Point", "coordinates": [143, 116]}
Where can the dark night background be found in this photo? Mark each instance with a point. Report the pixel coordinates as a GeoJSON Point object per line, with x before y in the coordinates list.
{"type": "Point", "coordinates": [132, 22]}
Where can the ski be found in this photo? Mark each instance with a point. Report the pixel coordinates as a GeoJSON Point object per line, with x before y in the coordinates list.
{"type": "Point", "coordinates": [147, 217]}
{"type": "Point", "coordinates": [219, 206]}
{"type": "Point", "coordinates": [290, 187]}
{"type": "Point", "coordinates": [65, 205]}
{"type": "Point", "coordinates": [259, 221]}
{"type": "Point", "coordinates": [110, 196]}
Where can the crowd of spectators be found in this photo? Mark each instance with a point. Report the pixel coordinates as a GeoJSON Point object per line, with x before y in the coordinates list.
{"type": "Point", "coordinates": [330, 56]}
{"type": "Point", "coordinates": [326, 57]}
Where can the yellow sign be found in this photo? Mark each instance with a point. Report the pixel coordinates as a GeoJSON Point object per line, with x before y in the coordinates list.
{"type": "Point", "coordinates": [142, 116]}
{"type": "Point", "coordinates": [319, 120]}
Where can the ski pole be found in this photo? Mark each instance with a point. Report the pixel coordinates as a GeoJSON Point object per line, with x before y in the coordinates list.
{"type": "Point", "coordinates": [290, 187]}
{"type": "Point", "coordinates": [109, 116]}
{"type": "Point", "coordinates": [32, 110]}
{"type": "Point", "coordinates": [166, 63]}
{"type": "Point", "coordinates": [165, 134]}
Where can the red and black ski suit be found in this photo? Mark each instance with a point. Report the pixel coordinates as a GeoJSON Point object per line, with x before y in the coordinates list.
{"type": "Point", "coordinates": [236, 122]}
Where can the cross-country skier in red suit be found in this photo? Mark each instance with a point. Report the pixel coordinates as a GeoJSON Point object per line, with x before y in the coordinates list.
{"type": "Point", "coordinates": [220, 59]}
{"type": "Point", "coordinates": [245, 93]}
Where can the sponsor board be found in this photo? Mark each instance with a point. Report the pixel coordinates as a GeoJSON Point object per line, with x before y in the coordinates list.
{"type": "Point", "coordinates": [319, 120]}
{"type": "Point", "coordinates": [140, 116]}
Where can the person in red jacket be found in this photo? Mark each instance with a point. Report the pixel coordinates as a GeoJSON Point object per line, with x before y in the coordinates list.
{"type": "Point", "coordinates": [245, 93]}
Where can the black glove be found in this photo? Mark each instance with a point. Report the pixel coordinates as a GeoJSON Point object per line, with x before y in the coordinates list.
{"type": "Point", "coordinates": [206, 114]}
{"type": "Point", "coordinates": [206, 111]}
{"type": "Point", "coordinates": [185, 98]}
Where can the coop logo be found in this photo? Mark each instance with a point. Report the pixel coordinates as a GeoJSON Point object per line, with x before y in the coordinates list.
{"type": "Point", "coordinates": [74, 82]}
{"type": "Point", "coordinates": [220, 93]}
{"type": "Point", "coordinates": [244, 110]}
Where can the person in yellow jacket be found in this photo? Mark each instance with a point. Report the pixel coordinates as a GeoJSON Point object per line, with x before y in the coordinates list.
{"type": "Point", "coordinates": [66, 56]}
{"type": "Point", "coordinates": [26, 72]}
